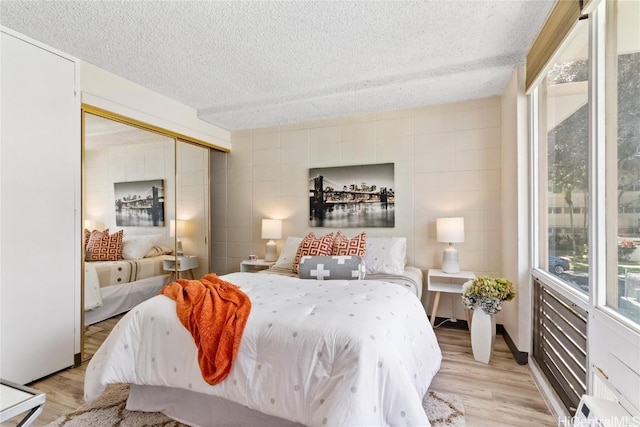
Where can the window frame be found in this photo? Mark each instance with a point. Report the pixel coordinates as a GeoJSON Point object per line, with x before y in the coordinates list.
{"type": "Point", "coordinates": [600, 29]}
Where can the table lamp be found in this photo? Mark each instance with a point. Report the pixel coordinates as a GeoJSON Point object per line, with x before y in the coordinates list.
{"type": "Point", "coordinates": [271, 229]}
{"type": "Point", "coordinates": [450, 230]}
{"type": "Point", "coordinates": [173, 232]}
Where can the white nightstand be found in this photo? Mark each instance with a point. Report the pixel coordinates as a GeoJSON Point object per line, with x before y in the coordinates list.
{"type": "Point", "coordinates": [439, 281]}
{"type": "Point", "coordinates": [248, 266]}
{"type": "Point", "coordinates": [184, 263]}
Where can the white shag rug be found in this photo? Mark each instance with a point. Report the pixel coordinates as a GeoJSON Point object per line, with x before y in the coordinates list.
{"type": "Point", "coordinates": [443, 410]}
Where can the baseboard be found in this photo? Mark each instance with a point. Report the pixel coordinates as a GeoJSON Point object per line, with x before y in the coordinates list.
{"type": "Point", "coordinates": [444, 322]}
{"type": "Point", "coordinates": [521, 357]}
{"type": "Point", "coordinates": [77, 360]}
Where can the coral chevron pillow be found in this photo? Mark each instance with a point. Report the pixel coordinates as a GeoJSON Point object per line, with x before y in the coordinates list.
{"type": "Point", "coordinates": [312, 246]}
{"type": "Point", "coordinates": [108, 248]}
{"type": "Point", "coordinates": [354, 246]}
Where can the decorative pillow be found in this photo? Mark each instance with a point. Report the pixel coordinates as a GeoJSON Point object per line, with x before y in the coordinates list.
{"type": "Point", "coordinates": [91, 236]}
{"type": "Point", "coordinates": [357, 245]}
{"type": "Point", "coordinates": [288, 253]}
{"type": "Point", "coordinates": [335, 267]}
{"type": "Point", "coordinates": [136, 247]}
{"type": "Point", "coordinates": [158, 250]}
{"type": "Point", "coordinates": [108, 248]}
{"type": "Point", "coordinates": [385, 255]}
{"type": "Point", "coordinates": [312, 246]}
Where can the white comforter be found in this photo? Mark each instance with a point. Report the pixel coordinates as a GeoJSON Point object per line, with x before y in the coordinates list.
{"type": "Point", "coordinates": [347, 353]}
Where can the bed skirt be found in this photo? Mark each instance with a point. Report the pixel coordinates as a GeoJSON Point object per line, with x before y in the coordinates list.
{"type": "Point", "coordinates": [198, 409]}
{"type": "Point", "coordinates": [120, 298]}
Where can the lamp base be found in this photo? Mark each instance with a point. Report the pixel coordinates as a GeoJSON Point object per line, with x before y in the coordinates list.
{"type": "Point", "coordinates": [271, 251]}
{"type": "Point", "coordinates": [450, 262]}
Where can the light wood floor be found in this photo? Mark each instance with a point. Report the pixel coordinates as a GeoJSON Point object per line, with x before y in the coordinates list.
{"type": "Point", "coordinates": [499, 394]}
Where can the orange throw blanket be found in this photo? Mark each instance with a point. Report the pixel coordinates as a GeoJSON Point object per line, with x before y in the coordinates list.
{"type": "Point", "coordinates": [215, 312]}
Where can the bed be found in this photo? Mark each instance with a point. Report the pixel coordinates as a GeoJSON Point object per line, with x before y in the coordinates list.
{"type": "Point", "coordinates": [132, 275]}
{"type": "Point", "coordinates": [314, 352]}
{"type": "Point", "coordinates": [113, 287]}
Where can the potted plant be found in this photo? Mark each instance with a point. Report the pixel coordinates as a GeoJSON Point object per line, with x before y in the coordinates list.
{"type": "Point", "coordinates": [485, 296]}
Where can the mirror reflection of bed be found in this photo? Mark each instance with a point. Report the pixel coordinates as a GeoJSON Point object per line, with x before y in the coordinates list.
{"type": "Point", "coordinates": [133, 188]}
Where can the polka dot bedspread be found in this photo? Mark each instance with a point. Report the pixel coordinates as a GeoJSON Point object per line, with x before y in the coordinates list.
{"type": "Point", "coordinates": [332, 352]}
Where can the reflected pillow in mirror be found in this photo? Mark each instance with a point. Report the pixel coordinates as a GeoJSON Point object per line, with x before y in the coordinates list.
{"type": "Point", "coordinates": [136, 247]}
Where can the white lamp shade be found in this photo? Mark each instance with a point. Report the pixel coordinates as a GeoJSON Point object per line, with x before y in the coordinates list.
{"type": "Point", "coordinates": [271, 229]}
{"type": "Point", "coordinates": [181, 226]}
{"type": "Point", "coordinates": [450, 230]}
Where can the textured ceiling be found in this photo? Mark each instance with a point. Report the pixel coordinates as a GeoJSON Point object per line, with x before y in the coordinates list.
{"type": "Point", "coordinates": [254, 64]}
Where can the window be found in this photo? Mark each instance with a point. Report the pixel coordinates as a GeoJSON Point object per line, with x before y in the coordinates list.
{"type": "Point", "coordinates": [572, 164]}
{"type": "Point", "coordinates": [623, 157]}
{"type": "Point", "coordinates": [586, 135]}
{"type": "Point", "coordinates": [564, 142]}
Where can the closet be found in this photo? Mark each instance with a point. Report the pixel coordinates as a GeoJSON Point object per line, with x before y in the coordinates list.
{"type": "Point", "coordinates": [152, 186]}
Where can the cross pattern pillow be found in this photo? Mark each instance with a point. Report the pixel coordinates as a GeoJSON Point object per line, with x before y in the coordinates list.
{"type": "Point", "coordinates": [357, 245]}
{"type": "Point", "coordinates": [335, 267]}
{"type": "Point", "coordinates": [313, 246]}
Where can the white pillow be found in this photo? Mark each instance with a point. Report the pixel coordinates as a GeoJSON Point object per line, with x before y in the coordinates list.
{"type": "Point", "coordinates": [385, 255]}
{"type": "Point", "coordinates": [288, 254]}
{"type": "Point", "coordinates": [136, 247]}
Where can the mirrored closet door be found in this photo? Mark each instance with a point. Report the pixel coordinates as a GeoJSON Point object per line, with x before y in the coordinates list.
{"type": "Point", "coordinates": [146, 220]}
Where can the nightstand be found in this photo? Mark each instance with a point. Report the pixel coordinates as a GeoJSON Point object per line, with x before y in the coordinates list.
{"type": "Point", "coordinates": [439, 281]}
{"type": "Point", "coordinates": [248, 266]}
{"type": "Point", "coordinates": [184, 263]}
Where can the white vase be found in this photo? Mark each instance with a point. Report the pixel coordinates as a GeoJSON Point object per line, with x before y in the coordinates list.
{"type": "Point", "coordinates": [483, 335]}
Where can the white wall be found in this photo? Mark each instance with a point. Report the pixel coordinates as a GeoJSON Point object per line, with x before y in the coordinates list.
{"type": "Point", "coordinates": [515, 209]}
{"type": "Point", "coordinates": [447, 163]}
{"type": "Point", "coordinates": [104, 167]}
{"type": "Point", "coordinates": [117, 95]}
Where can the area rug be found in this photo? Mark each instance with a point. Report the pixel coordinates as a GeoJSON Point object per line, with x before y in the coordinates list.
{"type": "Point", "coordinates": [443, 410]}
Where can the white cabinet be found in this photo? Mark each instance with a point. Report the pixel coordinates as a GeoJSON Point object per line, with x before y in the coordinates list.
{"type": "Point", "coordinates": [39, 222]}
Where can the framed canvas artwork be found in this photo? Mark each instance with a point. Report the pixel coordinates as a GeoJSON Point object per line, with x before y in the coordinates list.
{"type": "Point", "coordinates": [352, 196]}
{"type": "Point", "coordinates": [139, 203]}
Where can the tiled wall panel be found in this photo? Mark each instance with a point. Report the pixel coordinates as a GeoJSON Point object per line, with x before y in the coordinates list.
{"type": "Point", "coordinates": [447, 163]}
